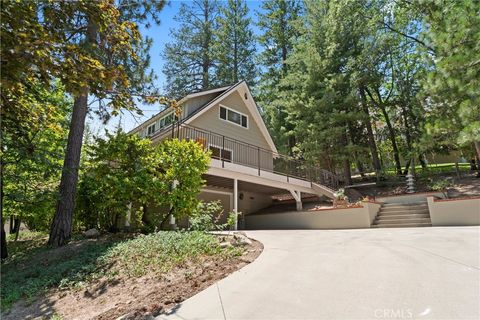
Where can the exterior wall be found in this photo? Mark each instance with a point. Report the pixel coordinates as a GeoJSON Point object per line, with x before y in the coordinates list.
{"type": "Point", "coordinates": [210, 120]}
{"type": "Point", "coordinates": [194, 104]}
{"type": "Point", "coordinates": [225, 199]}
{"type": "Point", "coordinates": [252, 135]}
{"type": "Point", "coordinates": [454, 212]}
{"type": "Point", "coordinates": [347, 218]}
{"type": "Point", "coordinates": [422, 196]}
{"type": "Point", "coordinates": [251, 202]}
{"type": "Point", "coordinates": [372, 209]}
{"type": "Point", "coordinates": [248, 202]}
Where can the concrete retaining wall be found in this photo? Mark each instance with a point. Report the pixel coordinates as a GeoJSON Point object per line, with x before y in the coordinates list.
{"type": "Point", "coordinates": [346, 218]}
{"type": "Point", "coordinates": [403, 198]}
{"type": "Point", "coordinates": [454, 212]}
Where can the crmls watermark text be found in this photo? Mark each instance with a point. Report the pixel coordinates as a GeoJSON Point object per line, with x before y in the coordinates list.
{"type": "Point", "coordinates": [393, 313]}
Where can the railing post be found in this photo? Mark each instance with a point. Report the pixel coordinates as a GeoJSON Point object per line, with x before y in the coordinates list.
{"type": "Point", "coordinates": [222, 152]}
{"type": "Point", "coordinates": [258, 152]}
{"type": "Point", "coordinates": [288, 169]}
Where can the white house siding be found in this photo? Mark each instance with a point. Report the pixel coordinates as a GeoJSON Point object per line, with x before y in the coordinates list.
{"type": "Point", "coordinates": [194, 104]}
{"type": "Point", "coordinates": [210, 120]}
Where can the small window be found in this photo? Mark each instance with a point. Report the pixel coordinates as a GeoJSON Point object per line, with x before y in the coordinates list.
{"type": "Point", "coordinates": [233, 116]}
{"type": "Point", "coordinates": [220, 154]}
{"type": "Point", "coordinates": [223, 113]}
{"type": "Point", "coordinates": [151, 129]}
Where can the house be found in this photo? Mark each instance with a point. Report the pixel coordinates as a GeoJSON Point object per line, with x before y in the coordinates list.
{"type": "Point", "coordinates": [246, 172]}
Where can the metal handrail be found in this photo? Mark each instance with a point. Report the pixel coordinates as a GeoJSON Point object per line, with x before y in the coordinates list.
{"type": "Point", "coordinates": [253, 156]}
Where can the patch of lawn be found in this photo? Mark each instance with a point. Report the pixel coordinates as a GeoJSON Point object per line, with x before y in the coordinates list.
{"type": "Point", "coordinates": [32, 273]}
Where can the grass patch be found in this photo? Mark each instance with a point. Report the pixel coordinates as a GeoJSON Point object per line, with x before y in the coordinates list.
{"type": "Point", "coordinates": [36, 270]}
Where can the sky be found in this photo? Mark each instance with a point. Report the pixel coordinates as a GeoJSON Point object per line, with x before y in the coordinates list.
{"type": "Point", "coordinates": [160, 35]}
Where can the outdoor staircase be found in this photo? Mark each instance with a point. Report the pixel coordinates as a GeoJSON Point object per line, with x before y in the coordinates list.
{"type": "Point", "coordinates": [398, 215]}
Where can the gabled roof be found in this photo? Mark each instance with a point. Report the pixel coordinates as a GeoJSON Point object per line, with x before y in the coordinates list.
{"type": "Point", "coordinates": [251, 106]}
{"type": "Point", "coordinates": [158, 115]}
{"type": "Point", "coordinates": [224, 92]}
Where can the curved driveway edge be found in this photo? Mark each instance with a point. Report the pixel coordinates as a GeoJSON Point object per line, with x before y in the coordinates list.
{"type": "Point", "coordinates": [410, 273]}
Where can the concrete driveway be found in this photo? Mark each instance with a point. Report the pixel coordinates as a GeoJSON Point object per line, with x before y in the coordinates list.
{"type": "Point", "coordinates": [411, 273]}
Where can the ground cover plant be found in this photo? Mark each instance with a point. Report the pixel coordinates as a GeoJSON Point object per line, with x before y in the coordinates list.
{"type": "Point", "coordinates": [108, 258]}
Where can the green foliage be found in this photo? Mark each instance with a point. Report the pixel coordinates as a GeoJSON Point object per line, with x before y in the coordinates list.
{"type": "Point", "coordinates": [60, 41]}
{"type": "Point", "coordinates": [30, 274]}
{"type": "Point", "coordinates": [277, 23]}
{"type": "Point", "coordinates": [188, 58]}
{"type": "Point", "coordinates": [207, 216]}
{"type": "Point", "coordinates": [33, 142]}
{"type": "Point", "coordinates": [234, 46]}
{"type": "Point", "coordinates": [453, 87]}
{"type": "Point", "coordinates": [183, 163]}
{"type": "Point", "coordinates": [122, 169]}
{"type": "Point", "coordinates": [160, 252]}
{"type": "Point", "coordinates": [232, 220]}
{"type": "Point", "coordinates": [440, 185]}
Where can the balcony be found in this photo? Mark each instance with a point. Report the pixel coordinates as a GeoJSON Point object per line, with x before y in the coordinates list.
{"type": "Point", "coordinates": [227, 151]}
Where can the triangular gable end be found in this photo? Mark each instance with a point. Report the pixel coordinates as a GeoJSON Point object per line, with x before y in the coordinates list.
{"type": "Point", "coordinates": [242, 89]}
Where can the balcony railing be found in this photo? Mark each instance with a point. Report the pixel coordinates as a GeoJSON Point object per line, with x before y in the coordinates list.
{"type": "Point", "coordinates": [227, 149]}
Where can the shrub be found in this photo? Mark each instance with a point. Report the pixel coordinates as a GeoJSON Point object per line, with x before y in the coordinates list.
{"type": "Point", "coordinates": [124, 169]}
{"type": "Point", "coordinates": [207, 217]}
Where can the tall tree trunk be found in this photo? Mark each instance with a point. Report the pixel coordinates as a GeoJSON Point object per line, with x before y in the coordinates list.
{"type": "Point", "coordinates": [61, 228]}
{"type": "Point", "coordinates": [477, 148]}
{"type": "Point", "coordinates": [408, 135]}
{"type": "Point", "coordinates": [371, 138]}
{"type": "Point", "coordinates": [346, 163]}
{"type": "Point", "coordinates": [391, 132]}
{"type": "Point", "coordinates": [206, 50]}
{"type": "Point", "coordinates": [347, 172]}
{"type": "Point", "coordinates": [3, 235]}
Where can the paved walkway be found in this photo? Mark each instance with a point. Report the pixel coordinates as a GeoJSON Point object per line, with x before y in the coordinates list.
{"type": "Point", "coordinates": [411, 273]}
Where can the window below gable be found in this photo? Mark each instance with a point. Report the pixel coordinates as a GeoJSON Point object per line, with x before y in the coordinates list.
{"type": "Point", "coordinates": [230, 115]}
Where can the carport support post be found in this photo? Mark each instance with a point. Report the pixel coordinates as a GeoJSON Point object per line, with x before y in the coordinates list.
{"type": "Point", "coordinates": [235, 201]}
{"type": "Point", "coordinates": [297, 195]}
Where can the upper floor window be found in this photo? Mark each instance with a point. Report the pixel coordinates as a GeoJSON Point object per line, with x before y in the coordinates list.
{"type": "Point", "coordinates": [159, 124]}
{"type": "Point", "coordinates": [233, 116]}
{"type": "Point", "coordinates": [167, 120]}
{"type": "Point", "coordinates": [151, 129]}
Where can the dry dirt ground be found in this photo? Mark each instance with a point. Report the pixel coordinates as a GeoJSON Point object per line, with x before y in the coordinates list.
{"type": "Point", "coordinates": [133, 298]}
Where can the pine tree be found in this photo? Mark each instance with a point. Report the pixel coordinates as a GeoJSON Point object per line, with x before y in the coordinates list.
{"type": "Point", "coordinates": [453, 85]}
{"type": "Point", "coordinates": [189, 57]}
{"type": "Point", "coordinates": [277, 23]}
{"type": "Point", "coordinates": [234, 45]}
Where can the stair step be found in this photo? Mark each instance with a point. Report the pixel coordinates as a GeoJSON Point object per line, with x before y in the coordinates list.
{"type": "Point", "coordinates": [402, 216]}
{"type": "Point", "coordinates": [389, 213]}
{"type": "Point", "coordinates": [393, 204]}
{"type": "Point", "coordinates": [405, 206]}
{"type": "Point", "coordinates": [402, 225]}
{"type": "Point", "coordinates": [397, 221]}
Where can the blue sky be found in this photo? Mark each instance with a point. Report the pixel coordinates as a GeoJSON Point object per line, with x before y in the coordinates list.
{"type": "Point", "coordinates": [160, 35]}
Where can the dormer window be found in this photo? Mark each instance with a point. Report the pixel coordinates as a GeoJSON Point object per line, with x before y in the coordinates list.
{"type": "Point", "coordinates": [151, 129]}
{"type": "Point", "coordinates": [236, 117]}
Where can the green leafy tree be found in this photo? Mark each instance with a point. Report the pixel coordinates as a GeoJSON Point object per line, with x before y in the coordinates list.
{"type": "Point", "coordinates": [453, 88]}
{"type": "Point", "coordinates": [93, 48]}
{"type": "Point", "coordinates": [277, 22]}
{"type": "Point", "coordinates": [234, 47]}
{"type": "Point", "coordinates": [189, 58]}
{"type": "Point", "coordinates": [123, 169]}
{"type": "Point", "coordinates": [33, 142]}
{"type": "Point", "coordinates": [183, 163]}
